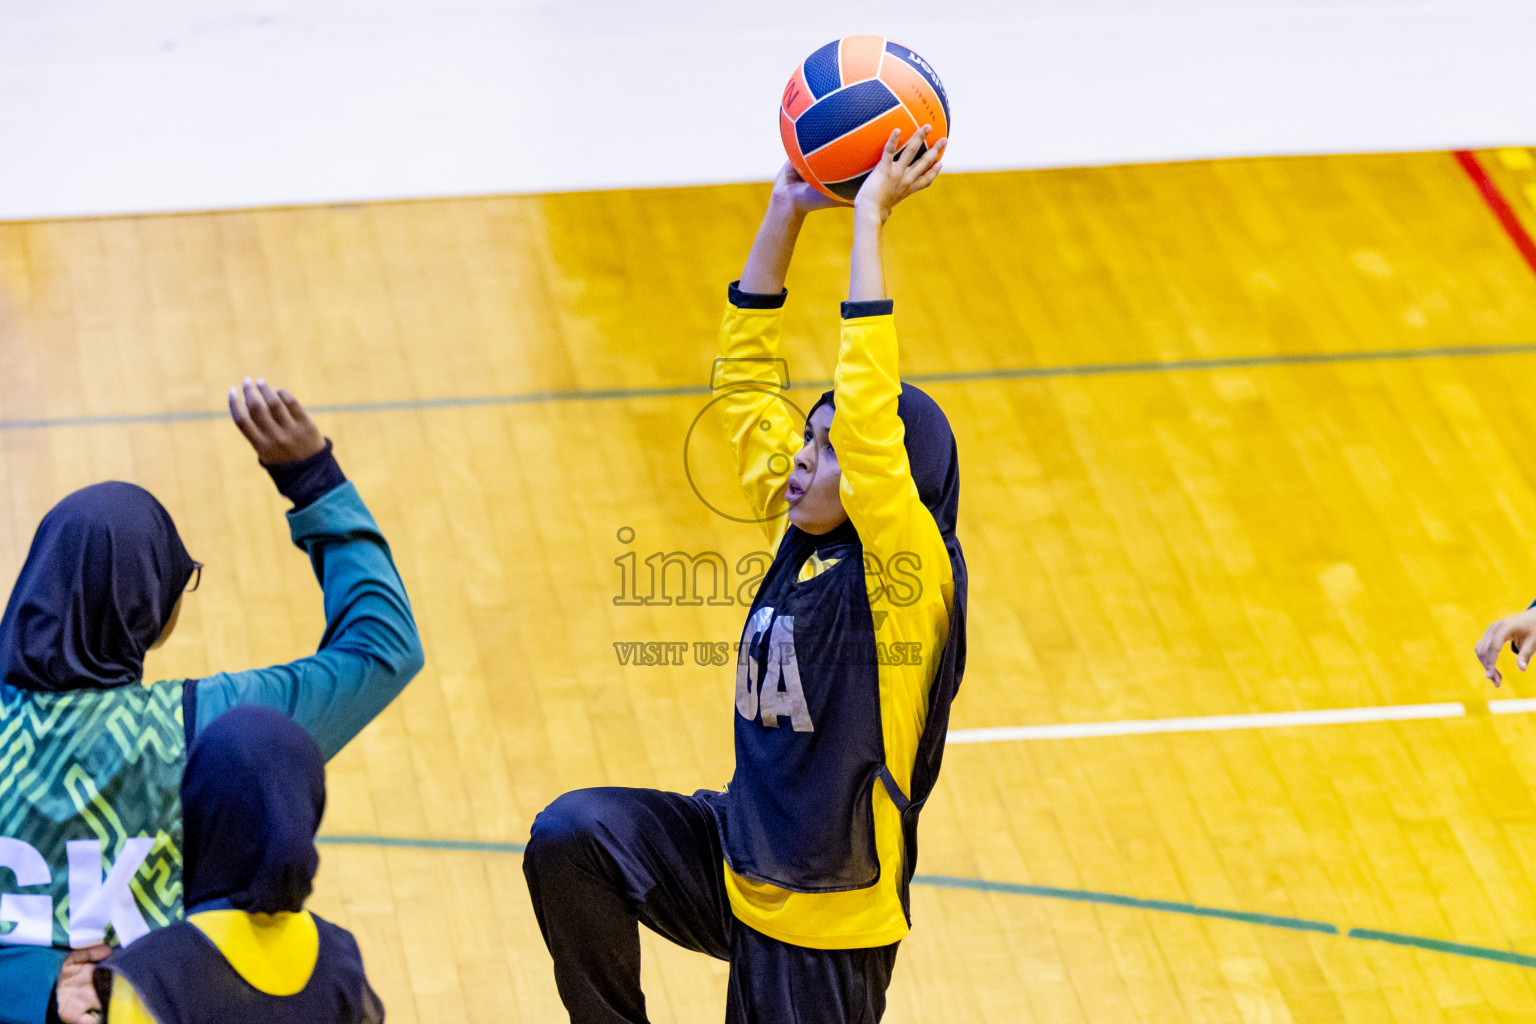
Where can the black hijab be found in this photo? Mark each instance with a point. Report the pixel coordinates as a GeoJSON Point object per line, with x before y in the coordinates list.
{"type": "Point", "coordinates": [104, 573]}
{"type": "Point", "coordinates": [251, 801]}
{"type": "Point", "coordinates": [935, 462]}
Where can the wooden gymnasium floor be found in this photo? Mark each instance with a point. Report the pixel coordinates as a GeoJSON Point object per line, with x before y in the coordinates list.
{"type": "Point", "coordinates": [1271, 533]}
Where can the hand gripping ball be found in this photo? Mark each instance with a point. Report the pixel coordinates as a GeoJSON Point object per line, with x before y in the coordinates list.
{"type": "Point", "coordinates": [842, 103]}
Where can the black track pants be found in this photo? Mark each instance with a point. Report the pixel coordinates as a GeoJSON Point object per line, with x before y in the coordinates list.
{"type": "Point", "coordinates": [601, 861]}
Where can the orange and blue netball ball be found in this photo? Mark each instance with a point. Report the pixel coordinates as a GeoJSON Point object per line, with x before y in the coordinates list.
{"type": "Point", "coordinates": [843, 102]}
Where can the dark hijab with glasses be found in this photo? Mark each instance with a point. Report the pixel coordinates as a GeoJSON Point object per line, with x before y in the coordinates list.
{"type": "Point", "coordinates": [96, 757]}
{"type": "Point", "coordinates": [99, 586]}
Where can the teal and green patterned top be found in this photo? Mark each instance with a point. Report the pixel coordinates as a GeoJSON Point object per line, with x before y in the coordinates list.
{"type": "Point", "coordinates": [90, 779]}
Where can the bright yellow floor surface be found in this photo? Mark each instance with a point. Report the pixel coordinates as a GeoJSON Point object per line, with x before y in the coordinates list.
{"type": "Point", "coordinates": [1144, 544]}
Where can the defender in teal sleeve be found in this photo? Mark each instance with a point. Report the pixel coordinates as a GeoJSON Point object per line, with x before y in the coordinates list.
{"type": "Point", "coordinates": [370, 649]}
{"type": "Point", "coordinates": [91, 754]}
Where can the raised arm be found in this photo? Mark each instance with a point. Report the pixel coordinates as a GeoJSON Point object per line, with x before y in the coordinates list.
{"type": "Point", "coordinates": [790, 203]}
{"type": "Point", "coordinates": [911, 570]}
{"type": "Point", "coordinates": [747, 371]}
{"type": "Point", "coordinates": [899, 174]}
{"type": "Point", "coordinates": [370, 648]}
{"type": "Point", "coordinates": [877, 487]}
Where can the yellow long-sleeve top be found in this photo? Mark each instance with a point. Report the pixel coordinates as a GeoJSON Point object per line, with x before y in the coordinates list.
{"type": "Point", "coordinates": [275, 954]}
{"type": "Point", "coordinates": [909, 578]}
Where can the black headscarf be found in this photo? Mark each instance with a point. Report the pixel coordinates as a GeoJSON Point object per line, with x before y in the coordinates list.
{"type": "Point", "coordinates": [251, 802]}
{"type": "Point", "coordinates": [100, 583]}
{"type": "Point", "coordinates": [935, 462]}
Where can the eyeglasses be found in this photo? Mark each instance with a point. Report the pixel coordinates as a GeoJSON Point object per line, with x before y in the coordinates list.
{"type": "Point", "coordinates": [197, 576]}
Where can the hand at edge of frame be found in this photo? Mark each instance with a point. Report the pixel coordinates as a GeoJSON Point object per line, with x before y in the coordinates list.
{"type": "Point", "coordinates": [1519, 631]}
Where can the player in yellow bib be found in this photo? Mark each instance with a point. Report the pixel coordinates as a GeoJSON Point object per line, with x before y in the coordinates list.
{"type": "Point", "coordinates": [797, 872]}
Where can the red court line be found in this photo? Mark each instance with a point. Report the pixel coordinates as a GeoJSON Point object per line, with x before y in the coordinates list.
{"type": "Point", "coordinates": [1500, 207]}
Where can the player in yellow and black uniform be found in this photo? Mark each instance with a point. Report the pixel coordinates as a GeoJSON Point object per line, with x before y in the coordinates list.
{"type": "Point", "coordinates": [797, 873]}
{"type": "Point", "coordinates": [248, 952]}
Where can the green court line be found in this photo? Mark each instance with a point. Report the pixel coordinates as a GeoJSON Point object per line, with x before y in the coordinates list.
{"type": "Point", "coordinates": [471, 845]}
{"type": "Point", "coordinates": [1113, 900]}
{"type": "Point", "coordinates": [1004, 373]}
{"type": "Point", "coordinates": [1049, 892]}
{"type": "Point", "coordinates": [1502, 956]}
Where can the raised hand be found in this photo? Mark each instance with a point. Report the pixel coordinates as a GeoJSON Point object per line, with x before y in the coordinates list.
{"type": "Point", "coordinates": [274, 422]}
{"type": "Point", "coordinates": [900, 172]}
{"type": "Point", "coordinates": [1519, 631]}
{"type": "Point", "coordinates": [800, 196]}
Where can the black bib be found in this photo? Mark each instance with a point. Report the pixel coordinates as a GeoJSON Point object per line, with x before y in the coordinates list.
{"type": "Point", "coordinates": [809, 748]}
{"type": "Point", "coordinates": [182, 978]}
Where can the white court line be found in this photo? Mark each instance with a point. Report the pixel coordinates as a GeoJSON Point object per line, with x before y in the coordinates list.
{"type": "Point", "coordinates": [1511, 707]}
{"type": "Point", "coordinates": [1218, 723]}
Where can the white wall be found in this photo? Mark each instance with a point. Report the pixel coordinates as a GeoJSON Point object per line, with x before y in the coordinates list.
{"type": "Point", "coordinates": [175, 104]}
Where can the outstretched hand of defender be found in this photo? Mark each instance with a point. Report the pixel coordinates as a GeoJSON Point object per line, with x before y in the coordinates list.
{"type": "Point", "coordinates": [274, 423]}
{"type": "Point", "coordinates": [1519, 631]}
{"type": "Point", "coordinates": [900, 172]}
